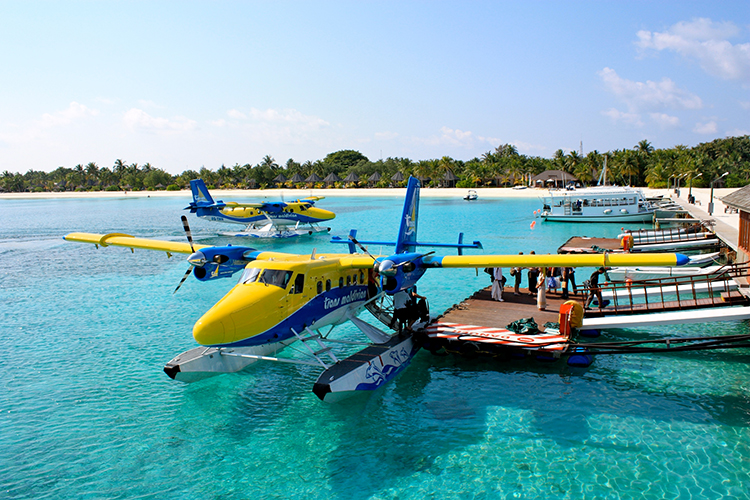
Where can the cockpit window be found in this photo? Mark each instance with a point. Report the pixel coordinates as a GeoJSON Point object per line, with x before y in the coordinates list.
{"type": "Point", "coordinates": [275, 277]}
{"type": "Point", "coordinates": [249, 275]}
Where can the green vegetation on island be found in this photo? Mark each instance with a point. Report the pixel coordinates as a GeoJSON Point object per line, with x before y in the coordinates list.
{"type": "Point", "coordinates": [504, 166]}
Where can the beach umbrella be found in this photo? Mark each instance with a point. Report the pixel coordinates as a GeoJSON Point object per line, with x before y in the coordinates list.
{"type": "Point", "coordinates": [331, 178]}
{"type": "Point", "coordinates": [279, 178]}
{"type": "Point", "coordinates": [374, 177]}
{"type": "Point", "coordinates": [297, 178]}
{"type": "Point", "coordinates": [313, 178]}
{"type": "Point", "coordinates": [398, 177]}
{"type": "Point", "coordinates": [352, 177]}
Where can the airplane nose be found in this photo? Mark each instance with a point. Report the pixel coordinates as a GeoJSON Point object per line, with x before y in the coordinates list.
{"type": "Point", "coordinates": [213, 329]}
{"type": "Point", "coordinates": [322, 214]}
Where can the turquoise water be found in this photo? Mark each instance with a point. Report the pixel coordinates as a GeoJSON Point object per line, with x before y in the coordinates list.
{"type": "Point", "coordinates": [86, 411]}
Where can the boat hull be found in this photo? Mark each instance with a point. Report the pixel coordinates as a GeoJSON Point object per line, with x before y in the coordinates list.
{"type": "Point", "coordinates": [613, 217]}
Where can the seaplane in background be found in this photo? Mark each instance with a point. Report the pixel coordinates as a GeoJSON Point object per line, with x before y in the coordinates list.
{"type": "Point", "coordinates": [284, 298]}
{"type": "Point", "coordinates": [261, 220]}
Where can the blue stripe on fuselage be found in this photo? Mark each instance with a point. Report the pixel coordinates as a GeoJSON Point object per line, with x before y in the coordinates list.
{"type": "Point", "coordinates": [315, 309]}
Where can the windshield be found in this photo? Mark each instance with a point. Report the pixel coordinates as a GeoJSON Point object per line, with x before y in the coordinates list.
{"type": "Point", "coordinates": [276, 278]}
{"type": "Point", "coordinates": [249, 275]}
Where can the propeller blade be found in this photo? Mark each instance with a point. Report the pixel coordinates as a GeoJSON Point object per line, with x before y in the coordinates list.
{"type": "Point", "coordinates": [415, 258]}
{"type": "Point", "coordinates": [184, 277]}
{"type": "Point", "coordinates": [189, 235]}
{"type": "Point", "coordinates": [361, 247]}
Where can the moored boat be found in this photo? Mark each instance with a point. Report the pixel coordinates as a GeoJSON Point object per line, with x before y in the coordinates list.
{"type": "Point", "coordinates": [597, 204]}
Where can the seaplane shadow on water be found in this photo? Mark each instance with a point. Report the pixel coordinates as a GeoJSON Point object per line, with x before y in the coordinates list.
{"type": "Point", "coordinates": [283, 299]}
{"type": "Point", "coordinates": [261, 220]}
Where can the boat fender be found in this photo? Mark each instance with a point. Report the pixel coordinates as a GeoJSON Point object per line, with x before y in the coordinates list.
{"type": "Point", "coordinates": [571, 316]}
{"type": "Point", "coordinates": [580, 358]}
{"type": "Point", "coordinates": [608, 211]}
{"type": "Point", "coordinates": [627, 242]}
{"type": "Point", "coordinates": [590, 333]}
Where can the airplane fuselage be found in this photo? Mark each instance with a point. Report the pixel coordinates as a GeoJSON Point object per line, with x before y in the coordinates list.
{"type": "Point", "coordinates": [274, 297]}
{"type": "Point", "coordinates": [287, 215]}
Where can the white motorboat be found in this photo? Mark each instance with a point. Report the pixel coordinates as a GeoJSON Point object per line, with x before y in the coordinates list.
{"type": "Point", "coordinates": [597, 204]}
{"type": "Point", "coordinates": [620, 274]}
{"type": "Point", "coordinates": [471, 196]}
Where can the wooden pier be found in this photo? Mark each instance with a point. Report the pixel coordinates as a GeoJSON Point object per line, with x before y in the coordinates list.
{"type": "Point", "coordinates": [481, 309]}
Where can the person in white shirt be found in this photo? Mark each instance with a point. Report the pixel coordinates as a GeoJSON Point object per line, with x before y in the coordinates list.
{"type": "Point", "coordinates": [497, 284]}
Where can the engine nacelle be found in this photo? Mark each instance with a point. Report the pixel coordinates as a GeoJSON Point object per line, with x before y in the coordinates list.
{"type": "Point", "coordinates": [400, 271]}
{"type": "Point", "coordinates": [219, 262]}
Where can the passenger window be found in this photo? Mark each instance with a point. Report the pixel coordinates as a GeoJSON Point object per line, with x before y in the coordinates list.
{"type": "Point", "coordinates": [341, 282]}
{"type": "Point", "coordinates": [299, 284]}
{"type": "Point", "coordinates": [320, 287]}
{"type": "Point", "coordinates": [348, 280]}
{"type": "Point", "coordinates": [328, 285]}
{"type": "Point", "coordinates": [361, 277]}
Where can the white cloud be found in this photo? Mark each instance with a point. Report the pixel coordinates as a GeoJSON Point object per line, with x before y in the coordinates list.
{"type": "Point", "coordinates": [74, 113]}
{"type": "Point", "coordinates": [238, 115]}
{"type": "Point", "coordinates": [709, 127]}
{"type": "Point", "coordinates": [665, 120]}
{"type": "Point", "coordinates": [745, 105]}
{"type": "Point", "coordinates": [287, 116]}
{"type": "Point", "coordinates": [706, 42]}
{"type": "Point", "coordinates": [737, 132]}
{"type": "Point", "coordinates": [137, 119]}
{"type": "Point", "coordinates": [385, 136]}
{"type": "Point", "coordinates": [649, 96]}
{"type": "Point", "coordinates": [633, 119]}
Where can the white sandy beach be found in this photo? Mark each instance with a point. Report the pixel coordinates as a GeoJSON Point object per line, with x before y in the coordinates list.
{"type": "Point", "coordinates": [702, 195]}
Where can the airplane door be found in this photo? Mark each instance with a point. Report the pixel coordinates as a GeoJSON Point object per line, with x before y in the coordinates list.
{"type": "Point", "coordinates": [297, 295]}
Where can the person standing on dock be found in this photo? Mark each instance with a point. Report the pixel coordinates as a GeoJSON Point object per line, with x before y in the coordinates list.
{"type": "Point", "coordinates": [568, 280]}
{"type": "Point", "coordinates": [516, 273]}
{"type": "Point", "coordinates": [594, 289]}
{"type": "Point", "coordinates": [497, 284]}
{"type": "Point", "coordinates": [533, 277]}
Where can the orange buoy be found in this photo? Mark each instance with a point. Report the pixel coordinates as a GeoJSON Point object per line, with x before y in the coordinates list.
{"type": "Point", "coordinates": [533, 223]}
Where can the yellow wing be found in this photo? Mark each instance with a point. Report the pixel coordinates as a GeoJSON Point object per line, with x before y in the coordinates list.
{"type": "Point", "coordinates": [232, 204]}
{"type": "Point", "coordinates": [128, 241]}
{"type": "Point", "coordinates": [566, 260]}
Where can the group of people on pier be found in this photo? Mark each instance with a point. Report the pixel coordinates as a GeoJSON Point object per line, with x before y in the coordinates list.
{"type": "Point", "coordinates": [554, 278]}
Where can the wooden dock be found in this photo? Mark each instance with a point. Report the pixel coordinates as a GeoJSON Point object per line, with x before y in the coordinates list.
{"type": "Point", "coordinates": [480, 309]}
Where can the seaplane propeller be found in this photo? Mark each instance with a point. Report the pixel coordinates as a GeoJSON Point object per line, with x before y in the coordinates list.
{"type": "Point", "coordinates": [389, 268]}
{"type": "Point", "coordinates": [206, 257]}
{"type": "Point", "coordinates": [194, 260]}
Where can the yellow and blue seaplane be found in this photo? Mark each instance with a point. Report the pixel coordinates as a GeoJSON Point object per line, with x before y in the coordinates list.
{"type": "Point", "coordinates": [261, 220]}
{"type": "Point", "coordinates": [284, 298]}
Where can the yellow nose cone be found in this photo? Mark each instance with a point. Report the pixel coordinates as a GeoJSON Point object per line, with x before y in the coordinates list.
{"type": "Point", "coordinates": [320, 214]}
{"type": "Point", "coordinates": [214, 328]}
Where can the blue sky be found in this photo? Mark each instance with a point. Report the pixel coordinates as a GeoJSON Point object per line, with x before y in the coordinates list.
{"type": "Point", "coordinates": [189, 84]}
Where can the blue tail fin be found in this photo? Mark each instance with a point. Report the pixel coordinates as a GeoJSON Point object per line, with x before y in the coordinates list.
{"type": "Point", "coordinates": [201, 196]}
{"type": "Point", "coordinates": [407, 233]}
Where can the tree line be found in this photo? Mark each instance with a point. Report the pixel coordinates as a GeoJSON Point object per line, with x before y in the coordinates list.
{"type": "Point", "coordinates": [504, 166]}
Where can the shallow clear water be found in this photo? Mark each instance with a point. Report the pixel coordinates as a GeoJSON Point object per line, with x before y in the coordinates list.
{"type": "Point", "coordinates": [86, 411]}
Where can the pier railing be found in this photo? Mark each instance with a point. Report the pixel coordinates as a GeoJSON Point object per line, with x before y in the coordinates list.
{"type": "Point", "coordinates": [673, 293]}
